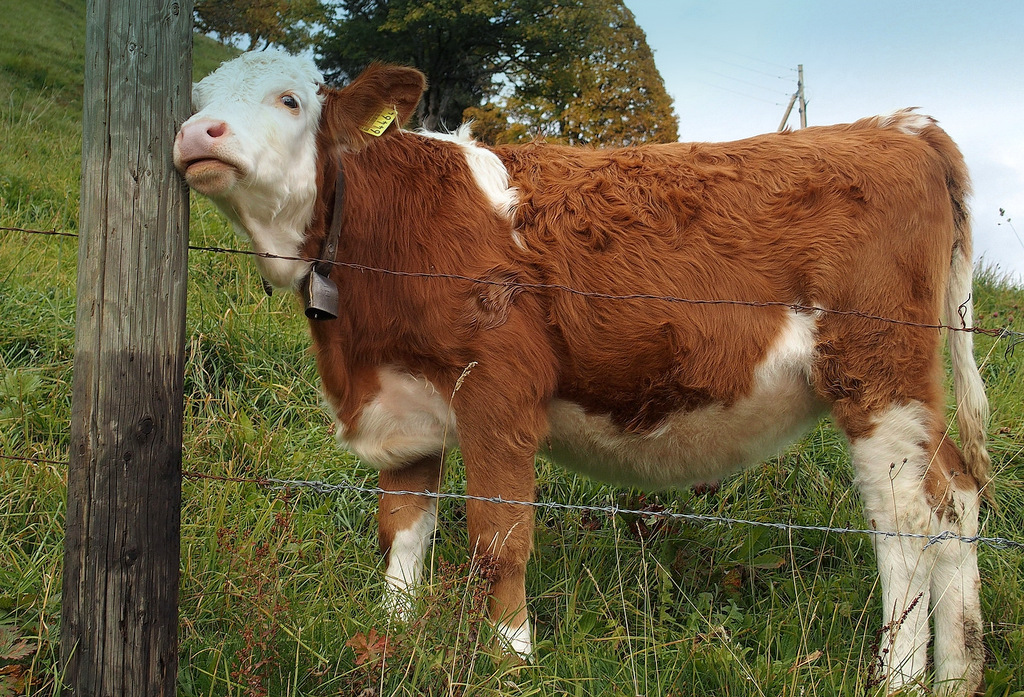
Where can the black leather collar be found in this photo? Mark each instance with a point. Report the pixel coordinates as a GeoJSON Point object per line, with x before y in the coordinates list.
{"type": "Point", "coordinates": [330, 247]}
{"type": "Point", "coordinates": [318, 290]}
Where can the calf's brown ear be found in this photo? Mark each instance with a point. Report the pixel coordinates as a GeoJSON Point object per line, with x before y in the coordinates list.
{"type": "Point", "coordinates": [373, 105]}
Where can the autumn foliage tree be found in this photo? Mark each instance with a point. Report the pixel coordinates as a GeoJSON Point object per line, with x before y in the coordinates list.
{"type": "Point", "coordinates": [461, 45]}
{"type": "Point", "coordinates": [610, 93]}
{"type": "Point", "coordinates": [285, 23]}
{"type": "Point", "coordinates": [578, 71]}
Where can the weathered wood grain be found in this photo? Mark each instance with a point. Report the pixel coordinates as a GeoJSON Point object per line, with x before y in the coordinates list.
{"type": "Point", "coordinates": [119, 613]}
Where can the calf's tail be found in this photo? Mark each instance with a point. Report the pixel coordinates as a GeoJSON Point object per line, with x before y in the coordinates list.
{"type": "Point", "coordinates": [972, 405]}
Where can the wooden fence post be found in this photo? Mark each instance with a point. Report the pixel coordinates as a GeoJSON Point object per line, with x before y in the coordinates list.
{"type": "Point", "coordinates": [119, 632]}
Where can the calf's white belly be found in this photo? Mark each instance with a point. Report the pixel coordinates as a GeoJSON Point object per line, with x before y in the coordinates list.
{"type": "Point", "coordinates": [703, 444]}
{"type": "Point", "coordinates": [408, 419]}
{"type": "Point", "coordinates": [694, 446]}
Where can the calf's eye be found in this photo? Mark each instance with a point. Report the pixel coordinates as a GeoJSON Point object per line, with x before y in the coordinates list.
{"type": "Point", "coordinates": [290, 101]}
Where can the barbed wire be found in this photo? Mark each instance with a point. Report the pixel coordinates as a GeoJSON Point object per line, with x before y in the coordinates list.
{"type": "Point", "coordinates": [51, 233]}
{"type": "Point", "coordinates": [328, 488]}
{"type": "Point", "coordinates": [1014, 337]}
{"type": "Point", "coordinates": [40, 460]}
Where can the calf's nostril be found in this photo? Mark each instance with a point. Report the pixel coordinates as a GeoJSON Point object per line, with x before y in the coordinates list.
{"type": "Point", "coordinates": [217, 130]}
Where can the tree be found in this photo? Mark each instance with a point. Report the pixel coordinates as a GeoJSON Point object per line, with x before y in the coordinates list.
{"type": "Point", "coordinates": [573, 71]}
{"type": "Point", "coordinates": [285, 23]}
{"type": "Point", "coordinates": [611, 93]}
{"type": "Point", "coordinates": [622, 98]}
{"type": "Point", "coordinates": [459, 44]}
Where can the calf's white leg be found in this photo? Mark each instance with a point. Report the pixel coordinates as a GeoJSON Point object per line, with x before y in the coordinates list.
{"type": "Point", "coordinates": [955, 583]}
{"type": "Point", "coordinates": [913, 480]}
{"type": "Point", "coordinates": [890, 464]}
{"type": "Point", "coordinates": [406, 529]}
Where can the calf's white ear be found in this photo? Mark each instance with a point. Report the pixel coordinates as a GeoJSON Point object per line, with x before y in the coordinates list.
{"type": "Point", "coordinates": [375, 104]}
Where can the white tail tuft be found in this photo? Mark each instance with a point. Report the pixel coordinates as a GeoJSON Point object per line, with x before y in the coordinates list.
{"type": "Point", "coordinates": [972, 404]}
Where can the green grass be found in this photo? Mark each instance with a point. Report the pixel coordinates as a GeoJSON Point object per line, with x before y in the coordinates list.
{"type": "Point", "coordinates": [279, 591]}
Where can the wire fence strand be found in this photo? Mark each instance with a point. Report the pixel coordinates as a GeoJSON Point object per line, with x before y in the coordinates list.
{"type": "Point", "coordinates": [37, 460]}
{"type": "Point", "coordinates": [1014, 338]}
{"type": "Point", "coordinates": [328, 488]}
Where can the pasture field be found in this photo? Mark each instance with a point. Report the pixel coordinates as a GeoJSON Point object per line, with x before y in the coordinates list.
{"type": "Point", "coordinates": [280, 589]}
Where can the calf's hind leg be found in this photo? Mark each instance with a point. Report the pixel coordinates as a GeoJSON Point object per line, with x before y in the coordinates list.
{"type": "Point", "coordinates": [406, 528]}
{"type": "Point", "coordinates": [959, 651]}
{"type": "Point", "coordinates": [905, 473]}
{"type": "Point", "coordinates": [890, 460]}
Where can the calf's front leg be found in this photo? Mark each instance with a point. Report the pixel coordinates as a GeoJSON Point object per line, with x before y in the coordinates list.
{"type": "Point", "coordinates": [499, 532]}
{"type": "Point", "coordinates": [499, 432]}
{"type": "Point", "coordinates": [406, 528]}
{"type": "Point", "coordinates": [503, 533]}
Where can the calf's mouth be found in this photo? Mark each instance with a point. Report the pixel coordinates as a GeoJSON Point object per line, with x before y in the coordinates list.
{"type": "Point", "coordinates": [210, 176]}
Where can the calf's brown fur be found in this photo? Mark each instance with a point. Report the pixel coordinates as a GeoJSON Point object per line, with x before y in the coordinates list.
{"type": "Point", "coordinates": [866, 217]}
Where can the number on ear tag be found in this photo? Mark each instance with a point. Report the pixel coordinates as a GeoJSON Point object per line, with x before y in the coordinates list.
{"type": "Point", "coordinates": [377, 126]}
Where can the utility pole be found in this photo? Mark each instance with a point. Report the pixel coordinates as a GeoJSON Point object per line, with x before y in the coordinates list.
{"type": "Point", "coordinates": [800, 91]}
{"type": "Point", "coordinates": [797, 96]}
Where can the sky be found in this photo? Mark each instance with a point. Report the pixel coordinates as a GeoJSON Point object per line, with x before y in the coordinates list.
{"type": "Point", "coordinates": [730, 66]}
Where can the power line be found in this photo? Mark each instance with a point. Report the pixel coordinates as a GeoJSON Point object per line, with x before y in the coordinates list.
{"type": "Point", "coordinates": [742, 94]}
{"type": "Point", "coordinates": [773, 90]}
{"type": "Point", "coordinates": [759, 60]}
{"type": "Point", "coordinates": [753, 70]}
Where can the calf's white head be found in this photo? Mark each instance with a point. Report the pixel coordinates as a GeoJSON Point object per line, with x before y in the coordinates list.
{"type": "Point", "coordinates": [254, 141]}
{"type": "Point", "coordinates": [251, 147]}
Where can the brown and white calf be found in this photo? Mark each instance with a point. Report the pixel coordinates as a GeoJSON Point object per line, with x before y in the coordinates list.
{"type": "Point", "coordinates": [866, 217]}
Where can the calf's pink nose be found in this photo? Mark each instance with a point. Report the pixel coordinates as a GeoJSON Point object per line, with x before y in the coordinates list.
{"type": "Point", "coordinates": [203, 129]}
{"type": "Point", "coordinates": [198, 139]}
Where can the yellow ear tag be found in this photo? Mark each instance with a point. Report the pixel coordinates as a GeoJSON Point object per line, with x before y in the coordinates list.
{"type": "Point", "coordinates": [381, 123]}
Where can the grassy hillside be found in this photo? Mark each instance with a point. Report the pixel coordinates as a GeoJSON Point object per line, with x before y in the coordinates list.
{"type": "Point", "coordinates": [279, 590]}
